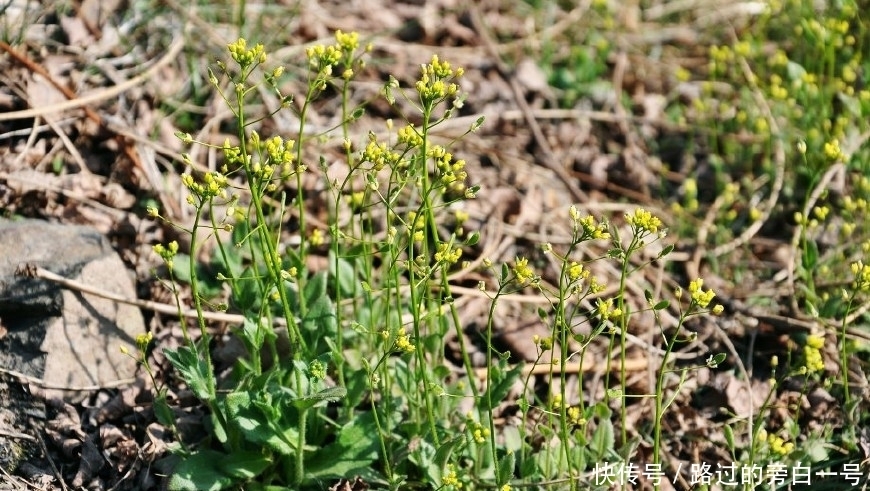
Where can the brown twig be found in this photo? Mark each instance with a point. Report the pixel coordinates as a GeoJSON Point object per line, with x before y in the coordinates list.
{"type": "Point", "coordinates": [51, 463]}
{"type": "Point", "coordinates": [101, 95]}
{"type": "Point", "coordinates": [24, 378]}
{"type": "Point", "coordinates": [37, 68]}
{"type": "Point", "coordinates": [33, 271]}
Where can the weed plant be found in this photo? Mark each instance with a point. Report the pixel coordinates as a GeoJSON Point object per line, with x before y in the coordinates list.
{"type": "Point", "coordinates": [346, 373]}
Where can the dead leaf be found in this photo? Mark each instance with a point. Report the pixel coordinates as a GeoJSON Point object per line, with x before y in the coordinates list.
{"type": "Point", "coordinates": [91, 463]}
{"type": "Point", "coordinates": [745, 401]}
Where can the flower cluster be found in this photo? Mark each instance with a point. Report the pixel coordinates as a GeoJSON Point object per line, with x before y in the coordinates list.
{"type": "Point", "coordinates": [452, 173]}
{"type": "Point", "coordinates": [832, 150]}
{"type": "Point", "coordinates": [322, 59]}
{"type": "Point", "coordinates": [479, 432]}
{"type": "Point", "coordinates": [410, 136]}
{"type": "Point", "coordinates": [213, 184]}
{"type": "Point", "coordinates": [577, 271]}
{"type": "Point", "coordinates": [606, 310]}
{"type": "Point", "coordinates": [436, 81]}
{"type": "Point", "coordinates": [280, 151]}
{"type": "Point", "coordinates": [416, 223]}
{"type": "Point", "coordinates": [586, 227]}
{"type": "Point", "coordinates": [246, 57]}
{"type": "Point", "coordinates": [450, 478]}
{"type": "Point", "coordinates": [861, 273]}
{"type": "Point", "coordinates": [813, 355]}
{"type": "Point", "coordinates": [523, 273]}
{"type": "Point", "coordinates": [700, 297]}
{"type": "Point", "coordinates": [167, 253]}
{"type": "Point", "coordinates": [403, 342]}
{"type": "Point", "coordinates": [779, 445]}
{"type": "Point", "coordinates": [575, 416]}
{"type": "Point", "coordinates": [448, 254]}
{"type": "Point", "coordinates": [643, 221]}
{"type": "Point", "coordinates": [379, 154]}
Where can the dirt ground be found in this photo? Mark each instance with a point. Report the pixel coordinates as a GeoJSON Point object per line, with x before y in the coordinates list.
{"type": "Point", "coordinates": [92, 94]}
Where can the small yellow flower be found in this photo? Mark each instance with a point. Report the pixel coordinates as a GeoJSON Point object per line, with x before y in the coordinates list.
{"type": "Point", "coordinates": [699, 296]}
{"type": "Point", "coordinates": [450, 478]}
{"type": "Point", "coordinates": [779, 445]}
{"type": "Point", "coordinates": [447, 254]}
{"type": "Point", "coordinates": [403, 342]}
{"type": "Point", "coordinates": [522, 271]}
{"type": "Point", "coordinates": [606, 310]}
{"type": "Point", "coordinates": [576, 271]}
{"type": "Point", "coordinates": [832, 150]}
{"type": "Point", "coordinates": [861, 273]}
{"type": "Point", "coordinates": [643, 221]}
{"type": "Point", "coordinates": [316, 237]}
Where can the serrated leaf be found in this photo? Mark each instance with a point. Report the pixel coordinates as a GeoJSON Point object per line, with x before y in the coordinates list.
{"type": "Point", "coordinates": [255, 425]}
{"type": "Point", "coordinates": [506, 468]}
{"type": "Point", "coordinates": [330, 394]}
{"type": "Point", "coordinates": [193, 369]}
{"type": "Point", "coordinates": [163, 412]}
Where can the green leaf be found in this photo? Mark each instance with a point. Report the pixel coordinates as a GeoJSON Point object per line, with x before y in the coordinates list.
{"type": "Point", "coordinates": [662, 305]}
{"type": "Point", "coordinates": [343, 275]}
{"type": "Point", "coordinates": [816, 450]}
{"type": "Point", "coordinates": [256, 426]}
{"type": "Point", "coordinates": [602, 440]}
{"type": "Point", "coordinates": [202, 471]}
{"type": "Point", "coordinates": [500, 386]}
{"type": "Point", "coordinates": [353, 452]}
{"type": "Point", "coordinates": [246, 464]}
{"type": "Point", "coordinates": [254, 334]}
{"type": "Point", "coordinates": [477, 123]}
{"type": "Point", "coordinates": [320, 319]}
{"type": "Point", "coordinates": [473, 239]}
{"type": "Point", "coordinates": [729, 438]}
{"type": "Point", "coordinates": [193, 369]}
{"type": "Point", "coordinates": [315, 288]}
{"type": "Point", "coordinates": [442, 455]}
{"type": "Point", "coordinates": [811, 255]}
{"type": "Point", "coordinates": [163, 412]}
{"type": "Point", "coordinates": [330, 394]}
{"type": "Point", "coordinates": [667, 250]}
{"type": "Point", "coordinates": [647, 295]}
{"type": "Point", "coordinates": [506, 468]}
{"type": "Point", "coordinates": [717, 359]}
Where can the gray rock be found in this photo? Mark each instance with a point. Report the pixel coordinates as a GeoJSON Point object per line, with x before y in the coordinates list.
{"type": "Point", "coordinates": [62, 337]}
